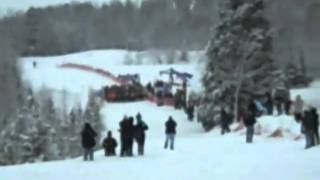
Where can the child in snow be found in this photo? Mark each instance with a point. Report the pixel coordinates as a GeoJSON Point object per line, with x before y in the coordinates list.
{"type": "Point", "coordinates": [109, 144]}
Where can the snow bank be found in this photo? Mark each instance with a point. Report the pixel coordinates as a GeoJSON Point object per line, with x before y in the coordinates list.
{"type": "Point", "coordinates": [289, 128]}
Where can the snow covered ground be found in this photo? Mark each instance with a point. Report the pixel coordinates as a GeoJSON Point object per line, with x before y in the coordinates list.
{"type": "Point", "coordinates": [198, 155]}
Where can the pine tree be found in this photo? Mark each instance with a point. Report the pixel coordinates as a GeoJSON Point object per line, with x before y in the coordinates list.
{"type": "Point", "coordinates": [239, 62]}
{"type": "Point", "coordinates": [20, 137]}
{"type": "Point", "coordinates": [75, 127]}
{"type": "Point", "coordinates": [297, 74]}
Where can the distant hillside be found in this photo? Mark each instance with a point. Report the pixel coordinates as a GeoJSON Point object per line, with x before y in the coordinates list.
{"type": "Point", "coordinates": [8, 6]}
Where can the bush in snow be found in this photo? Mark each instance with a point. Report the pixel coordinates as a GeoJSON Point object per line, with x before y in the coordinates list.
{"type": "Point", "coordinates": [239, 62]}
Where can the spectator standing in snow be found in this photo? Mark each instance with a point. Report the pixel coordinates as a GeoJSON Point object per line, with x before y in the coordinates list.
{"type": "Point", "coordinates": [109, 144]}
{"type": "Point", "coordinates": [124, 126]}
{"type": "Point", "coordinates": [225, 121]}
{"type": "Point", "coordinates": [88, 141]}
{"type": "Point", "coordinates": [249, 121]}
{"type": "Point", "coordinates": [253, 108]}
{"type": "Point", "coordinates": [140, 134]}
{"type": "Point", "coordinates": [315, 119]}
{"type": "Point", "coordinates": [190, 111]}
{"type": "Point", "coordinates": [287, 106]}
{"type": "Point", "coordinates": [269, 104]}
{"type": "Point", "coordinates": [308, 129]}
{"type": "Point", "coordinates": [298, 108]}
{"type": "Point", "coordinates": [170, 133]}
{"type": "Point", "coordinates": [131, 133]}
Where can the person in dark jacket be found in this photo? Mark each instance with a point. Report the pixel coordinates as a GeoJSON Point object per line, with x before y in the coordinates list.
{"type": "Point", "coordinates": [140, 134]}
{"type": "Point", "coordinates": [249, 121]}
{"type": "Point", "coordinates": [253, 108]}
{"type": "Point", "coordinates": [287, 106]}
{"type": "Point", "coordinates": [269, 104]}
{"type": "Point", "coordinates": [190, 111]}
{"type": "Point", "coordinates": [225, 121]}
{"type": "Point", "coordinates": [131, 133]}
{"type": "Point", "coordinates": [170, 133]}
{"type": "Point", "coordinates": [109, 144]}
{"type": "Point", "coordinates": [88, 141]}
{"type": "Point", "coordinates": [309, 126]}
{"type": "Point", "coordinates": [124, 124]}
{"type": "Point", "coordinates": [315, 119]}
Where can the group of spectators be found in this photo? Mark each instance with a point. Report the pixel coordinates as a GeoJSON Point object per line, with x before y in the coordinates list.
{"type": "Point", "coordinates": [307, 116]}
{"type": "Point", "coordinates": [129, 132]}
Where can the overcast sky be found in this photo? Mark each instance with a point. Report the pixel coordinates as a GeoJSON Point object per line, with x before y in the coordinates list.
{"type": "Point", "coordinates": [23, 5]}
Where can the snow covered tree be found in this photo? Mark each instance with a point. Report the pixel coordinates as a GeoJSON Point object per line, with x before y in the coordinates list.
{"type": "Point", "coordinates": [20, 137]}
{"type": "Point", "coordinates": [75, 127]}
{"type": "Point", "coordinates": [297, 76]}
{"type": "Point", "coordinates": [239, 65]}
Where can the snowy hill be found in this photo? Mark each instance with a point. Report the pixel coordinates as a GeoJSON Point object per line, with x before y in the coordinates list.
{"type": "Point", "coordinates": [198, 155]}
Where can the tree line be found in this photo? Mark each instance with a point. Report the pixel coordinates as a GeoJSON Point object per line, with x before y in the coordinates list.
{"type": "Point", "coordinates": [160, 24]}
{"type": "Point", "coordinates": [39, 131]}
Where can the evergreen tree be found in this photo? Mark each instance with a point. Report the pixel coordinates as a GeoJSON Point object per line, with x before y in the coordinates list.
{"type": "Point", "coordinates": [297, 75]}
{"type": "Point", "coordinates": [239, 64]}
{"type": "Point", "coordinates": [75, 127]}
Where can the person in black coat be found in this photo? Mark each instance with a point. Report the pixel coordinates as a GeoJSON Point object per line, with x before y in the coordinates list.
{"type": "Point", "coordinates": [249, 121]}
{"type": "Point", "coordinates": [124, 126]}
{"type": "Point", "coordinates": [253, 108]}
{"type": "Point", "coordinates": [269, 104]}
{"type": "Point", "coordinates": [225, 121]}
{"type": "Point", "coordinates": [190, 111]}
{"type": "Point", "coordinates": [170, 133]}
{"type": "Point", "coordinates": [309, 124]}
{"type": "Point", "coordinates": [131, 133]}
{"type": "Point", "coordinates": [140, 134]}
{"type": "Point", "coordinates": [315, 119]}
{"type": "Point", "coordinates": [109, 144]}
{"type": "Point", "coordinates": [88, 141]}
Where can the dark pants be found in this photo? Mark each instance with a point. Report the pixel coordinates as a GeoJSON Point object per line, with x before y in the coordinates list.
{"type": "Point", "coordinates": [310, 137]}
{"type": "Point", "coordinates": [279, 108]}
{"type": "Point", "coordinates": [109, 153]}
{"type": "Point", "coordinates": [298, 117]}
{"type": "Point", "coordinates": [270, 109]}
{"type": "Point", "coordinates": [88, 154]}
{"type": "Point", "coordinates": [124, 145]}
{"type": "Point", "coordinates": [169, 139]}
{"type": "Point", "coordinates": [141, 148]}
{"type": "Point", "coordinates": [129, 149]}
{"type": "Point", "coordinates": [316, 135]}
{"type": "Point", "coordinates": [249, 134]}
{"type": "Point", "coordinates": [190, 116]}
{"type": "Point", "coordinates": [225, 129]}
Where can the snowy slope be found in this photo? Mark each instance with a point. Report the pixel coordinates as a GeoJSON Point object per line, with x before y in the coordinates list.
{"type": "Point", "coordinates": [202, 157]}
{"type": "Point", "coordinates": [198, 155]}
{"type": "Point", "coordinates": [78, 82]}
